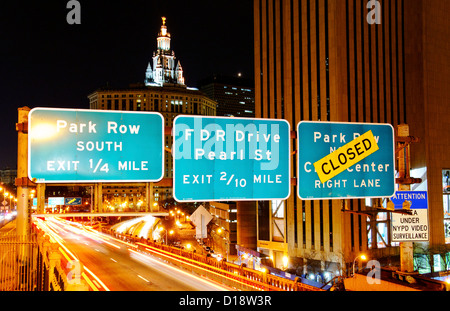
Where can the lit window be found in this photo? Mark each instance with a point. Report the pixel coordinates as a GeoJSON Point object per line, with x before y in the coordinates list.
{"type": "Point", "coordinates": [446, 201]}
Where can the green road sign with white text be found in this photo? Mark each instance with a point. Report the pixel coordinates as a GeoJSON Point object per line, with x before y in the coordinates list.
{"type": "Point", "coordinates": [76, 145]}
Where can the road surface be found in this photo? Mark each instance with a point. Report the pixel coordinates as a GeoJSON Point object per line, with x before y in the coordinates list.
{"type": "Point", "coordinates": [118, 267]}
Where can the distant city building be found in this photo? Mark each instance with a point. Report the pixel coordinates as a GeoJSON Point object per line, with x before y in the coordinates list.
{"type": "Point", "coordinates": [165, 93]}
{"type": "Point", "coordinates": [235, 96]}
{"type": "Point", "coordinates": [164, 69]}
{"type": "Point", "coordinates": [8, 176]}
{"type": "Point", "coordinates": [170, 101]}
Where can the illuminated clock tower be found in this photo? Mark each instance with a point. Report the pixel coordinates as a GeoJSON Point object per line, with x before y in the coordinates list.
{"type": "Point", "coordinates": [164, 69]}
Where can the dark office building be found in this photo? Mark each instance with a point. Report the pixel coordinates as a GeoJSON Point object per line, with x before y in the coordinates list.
{"type": "Point", "coordinates": [345, 61]}
{"type": "Point", "coordinates": [234, 95]}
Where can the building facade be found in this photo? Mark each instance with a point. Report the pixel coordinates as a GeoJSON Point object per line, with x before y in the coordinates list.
{"type": "Point", "coordinates": [165, 93]}
{"type": "Point", "coordinates": [350, 61]}
{"type": "Point", "coordinates": [427, 79]}
{"type": "Point", "coordinates": [235, 96]}
{"type": "Point", "coordinates": [225, 218]}
{"type": "Point", "coordinates": [170, 101]}
{"type": "Point", "coordinates": [8, 176]}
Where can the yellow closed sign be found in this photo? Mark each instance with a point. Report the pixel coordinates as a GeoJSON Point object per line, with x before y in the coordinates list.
{"type": "Point", "coordinates": [346, 156]}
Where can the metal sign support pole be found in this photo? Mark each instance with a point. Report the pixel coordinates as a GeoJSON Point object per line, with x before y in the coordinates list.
{"type": "Point", "coordinates": [23, 213]}
{"type": "Point", "coordinates": [406, 248]}
{"type": "Point", "coordinates": [40, 194]}
{"type": "Point", "coordinates": [99, 194]}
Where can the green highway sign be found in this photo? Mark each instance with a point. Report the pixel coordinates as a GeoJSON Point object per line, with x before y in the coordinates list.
{"type": "Point", "coordinates": [239, 159]}
{"type": "Point", "coordinates": [76, 145]}
{"type": "Point", "coordinates": [345, 160]}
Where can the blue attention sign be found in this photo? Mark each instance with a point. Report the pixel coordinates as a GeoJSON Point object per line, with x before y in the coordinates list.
{"type": "Point", "coordinates": [75, 145]}
{"type": "Point", "coordinates": [329, 148]}
{"type": "Point", "coordinates": [414, 199]}
{"type": "Point", "coordinates": [219, 159]}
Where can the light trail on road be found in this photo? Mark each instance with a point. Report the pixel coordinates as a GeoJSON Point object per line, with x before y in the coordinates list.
{"type": "Point", "coordinates": [112, 264]}
{"type": "Point", "coordinates": [165, 265]}
{"type": "Point", "coordinates": [53, 232]}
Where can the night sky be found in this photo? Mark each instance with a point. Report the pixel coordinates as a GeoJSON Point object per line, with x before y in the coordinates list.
{"type": "Point", "coordinates": [45, 62]}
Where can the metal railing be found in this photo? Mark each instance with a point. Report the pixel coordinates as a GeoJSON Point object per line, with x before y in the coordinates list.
{"type": "Point", "coordinates": [31, 263]}
{"type": "Point", "coordinates": [19, 261]}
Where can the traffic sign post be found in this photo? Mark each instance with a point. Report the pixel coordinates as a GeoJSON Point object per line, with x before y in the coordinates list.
{"type": "Point", "coordinates": [75, 145]}
{"type": "Point", "coordinates": [23, 226]}
{"type": "Point", "coordinates": [406, 248]}
{"type": "Point", "coordinates": [220, 159]}
{"type": "Point", "coordinates": [345, 160]}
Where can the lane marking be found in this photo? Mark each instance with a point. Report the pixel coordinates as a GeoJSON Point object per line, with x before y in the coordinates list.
{"type": "Point", "coordinates": [143, 278]}
{"type": "Point", "coordinates": [204, 281]}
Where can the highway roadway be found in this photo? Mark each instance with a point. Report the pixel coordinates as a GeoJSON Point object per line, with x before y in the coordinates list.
{"type": "Point", "coordinates": [113, 265]}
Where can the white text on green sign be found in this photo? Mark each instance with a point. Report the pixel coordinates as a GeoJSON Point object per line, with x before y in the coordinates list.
{"type": "Point", "coordinates": [67, 145]}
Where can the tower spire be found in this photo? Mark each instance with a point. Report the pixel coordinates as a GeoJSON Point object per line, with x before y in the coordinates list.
{"type": "Point", "coordinates": [163, 32]}
{"type": "Point", "coordinates": [164, 62]}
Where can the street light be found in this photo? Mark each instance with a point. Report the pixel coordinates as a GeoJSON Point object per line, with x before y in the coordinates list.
{"type": "Point", "coordinates": [285, 261]}
{"type": "Point", "coordinates": [227, 241]}
{"type": "Point", "coordinates": [5, 196]}
{"type": "Point", "coordinates": [161, 229]}
{"type": "Point", "coordinates": [363, 258]}
{"type": "Point", "coordinates": [10, 198]}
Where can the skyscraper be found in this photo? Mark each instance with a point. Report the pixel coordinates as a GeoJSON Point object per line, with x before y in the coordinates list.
{"type": "Point", "coordinates": [350, 61]}
{"type": "Point", "coordinates": [235, 96]}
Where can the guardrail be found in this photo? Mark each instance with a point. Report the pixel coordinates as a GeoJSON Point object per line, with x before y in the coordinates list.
{"type": "Point", "coordinates": [31, 263]}
{"type": "Point", "coordinates": [18, 255]}
{"type": "Point", "coordinates": [230, 274]}
{"type": "Point", "coordinates": [55, 276]}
